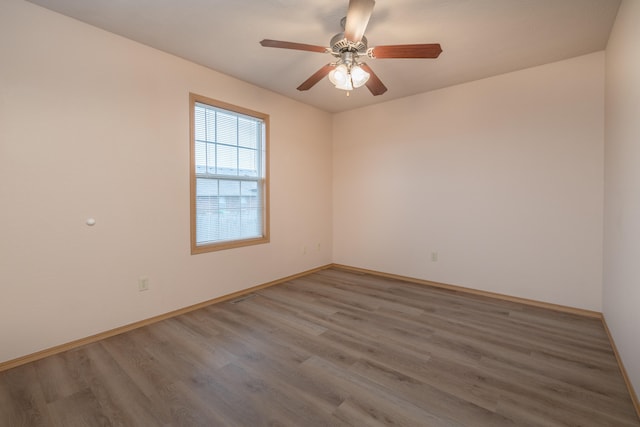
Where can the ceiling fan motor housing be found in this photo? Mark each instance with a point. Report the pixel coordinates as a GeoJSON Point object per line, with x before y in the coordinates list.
{"type": "Point", "coordinates": [340, 44]}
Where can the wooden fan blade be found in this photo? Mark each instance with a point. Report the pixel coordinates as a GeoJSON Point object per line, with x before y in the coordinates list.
{"type": "Point", "coordinates": [316, 77]}
{"type": "Point", "coordinates": [291, 45]}
{"type": "Point", "coordinates": [374, 84]}
{"type": "Point", "coordinates": [357, 19]}
{"type": "Point", "coordinates": [407, 51]}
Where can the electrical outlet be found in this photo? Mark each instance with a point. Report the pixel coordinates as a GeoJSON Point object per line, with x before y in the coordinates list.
{"type": "Point", "coordinates": [304, 250]}
{"type": "Point", "coordinates": [143, 284]}
{"type": "Point", "coordinates": [318, 247]}
{"type": "Point", "coordinates": [434, 256]}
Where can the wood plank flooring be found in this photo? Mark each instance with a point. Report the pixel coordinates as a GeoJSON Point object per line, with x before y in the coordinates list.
{"type": "Point", "coordinates": [335, 348]}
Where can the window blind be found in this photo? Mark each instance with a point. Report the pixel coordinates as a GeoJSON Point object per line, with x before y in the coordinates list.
{"type": "Point", "coordinates": [229, 157]}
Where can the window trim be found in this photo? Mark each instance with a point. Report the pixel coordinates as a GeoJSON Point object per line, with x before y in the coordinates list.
{"type": "Point", "coordinates": [198, 249]}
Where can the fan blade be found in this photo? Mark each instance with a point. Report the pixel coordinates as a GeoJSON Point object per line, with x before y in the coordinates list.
{"type": "Point", "coordinates": [291, 45]}
{"type": "Point", "coordinates": [357, 19]}
{"type": "Point", "coordinates": [316, 77]}
{"type": "Point", "coordinates": [375, 86]}
{"type": "Point", "coordinates": [407, 51]}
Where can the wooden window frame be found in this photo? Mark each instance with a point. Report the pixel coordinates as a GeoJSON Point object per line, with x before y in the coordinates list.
{"type": "Point", "coordinates": [217, 246]}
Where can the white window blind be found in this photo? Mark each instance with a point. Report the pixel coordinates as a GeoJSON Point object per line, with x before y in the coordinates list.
{"type": "Point", "coordinates": [229, 150]}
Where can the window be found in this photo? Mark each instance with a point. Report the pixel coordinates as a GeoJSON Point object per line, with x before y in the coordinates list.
{"type": "Point", "coordinates": [229, 179]}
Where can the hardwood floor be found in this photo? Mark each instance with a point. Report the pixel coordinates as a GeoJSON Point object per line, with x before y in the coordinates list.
{"type": "Point", "coordinates": [335, 348]}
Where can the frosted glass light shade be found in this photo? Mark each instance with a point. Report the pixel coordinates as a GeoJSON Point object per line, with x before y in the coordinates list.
{"type": "Point", "coordinates": [339, 76]}
{"type": "Point", "coordinates": [358, 76]}
{"type": "Point", "coordinates": [346, 85]}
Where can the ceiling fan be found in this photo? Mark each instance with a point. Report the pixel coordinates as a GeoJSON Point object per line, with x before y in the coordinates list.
{"type": "Point", "coordinates": [348, 71]}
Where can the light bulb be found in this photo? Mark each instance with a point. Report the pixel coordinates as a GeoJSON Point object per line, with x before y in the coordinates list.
{"type": "Point", "coordinates": [358, 76]}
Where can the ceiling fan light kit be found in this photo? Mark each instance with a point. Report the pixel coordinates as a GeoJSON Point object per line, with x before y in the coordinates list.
{"type": "Point", "coordinates": [347, 72]}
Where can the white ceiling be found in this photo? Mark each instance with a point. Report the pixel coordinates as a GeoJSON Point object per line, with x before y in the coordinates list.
{"type": "Point", "coordinates": [479, 38]}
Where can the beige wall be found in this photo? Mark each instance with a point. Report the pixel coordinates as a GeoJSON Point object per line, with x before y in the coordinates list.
{"type": "Point", "coordinates": [622, 188]}
{"type": "Point", "coordinates": [94, 125]}
{"type": "Point", "coordinates": [502, 177]}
